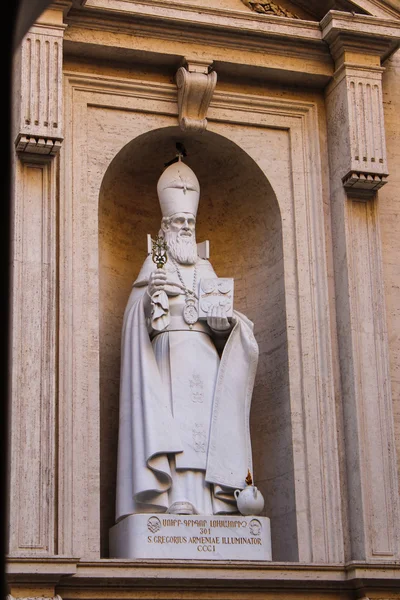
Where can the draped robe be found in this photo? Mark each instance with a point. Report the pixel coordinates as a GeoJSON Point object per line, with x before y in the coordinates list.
{"type": "Point", "coordinates": [184, 410]}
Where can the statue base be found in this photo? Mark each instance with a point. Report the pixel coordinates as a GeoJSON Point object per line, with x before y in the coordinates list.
{"type": "Point", "coordinates": [204, 537]}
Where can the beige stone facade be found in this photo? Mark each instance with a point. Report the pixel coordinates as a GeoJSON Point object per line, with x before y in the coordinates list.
{"type": "Point", "coordinates": [289, 113]}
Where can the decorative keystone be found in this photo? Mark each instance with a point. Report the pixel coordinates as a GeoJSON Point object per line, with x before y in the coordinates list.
{"type": "Point", "coordinates": [195, 89]}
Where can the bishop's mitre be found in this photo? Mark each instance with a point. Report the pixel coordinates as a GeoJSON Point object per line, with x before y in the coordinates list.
{"type": "Point", "coordinates": [178, 190]}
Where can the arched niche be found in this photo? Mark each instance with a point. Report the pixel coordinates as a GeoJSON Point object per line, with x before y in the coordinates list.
{"type": "Point", "coordinates": [239, 215]}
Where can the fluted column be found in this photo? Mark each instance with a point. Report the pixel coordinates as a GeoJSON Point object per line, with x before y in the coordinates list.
{"type": "Point", "coordinates": [38, 136]}
{"type": "Point", "coordinates": [358, 168]}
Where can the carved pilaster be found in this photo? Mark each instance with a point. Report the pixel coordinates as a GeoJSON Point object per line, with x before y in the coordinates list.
{"type": "Point", "coordinates": [368, 163]}
{"type": "Point", "coordinates": [354, 97]}
{"type": "Point", "coordinates": [33, 410]}
{"type": "Point", "coordinates": [195, 89]}
{"type": "Point", "coordinates": [33, 445]}
{"type": "Point", "coordinates": [357, 94]}
{"type": "Point", "coordinates": [358, 168]}
{"type": "Point", "coordinates": [38, 109]}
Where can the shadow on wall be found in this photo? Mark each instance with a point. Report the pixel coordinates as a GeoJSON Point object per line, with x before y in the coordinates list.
{"type": "Point", "coordinates": [239, 214]}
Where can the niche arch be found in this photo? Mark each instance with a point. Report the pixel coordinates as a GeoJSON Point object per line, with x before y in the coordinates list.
{"type": "Point", "coordinates": [239, 214]}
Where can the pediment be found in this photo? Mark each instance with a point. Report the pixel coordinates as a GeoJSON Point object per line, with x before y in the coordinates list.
{"type": "Point", "coordinates": [311, 10]}
{"type": "Point", "coordinates": [389, 9]}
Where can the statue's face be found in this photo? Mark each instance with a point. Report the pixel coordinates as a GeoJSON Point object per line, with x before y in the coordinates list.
{"type": "Point", "coordinates": [183, 224]}
{"type": "Point", "coordinates": [180, 235]}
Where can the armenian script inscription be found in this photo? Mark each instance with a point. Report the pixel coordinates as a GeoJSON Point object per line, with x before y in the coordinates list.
{"type": "Point", "coordinates": [196, 537]}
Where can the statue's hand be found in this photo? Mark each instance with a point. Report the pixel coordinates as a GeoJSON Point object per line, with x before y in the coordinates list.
{"type": "Point", "coordinates": [157, 281]}
{"type": "Point", "coordinates": [217, 319]}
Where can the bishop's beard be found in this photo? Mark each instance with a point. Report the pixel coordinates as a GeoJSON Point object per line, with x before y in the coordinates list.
{"type": "Point", "coordinates": [181, 247]}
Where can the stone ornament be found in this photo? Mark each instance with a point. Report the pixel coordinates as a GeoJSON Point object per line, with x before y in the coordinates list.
{"type": "Point", "coordinates": [195, 89]}
{"type": "Point", "coordinates": [38, 79]}
{"type": "Point", "coordinates": [269, 8]}
{"type": "Point", "coordinates": [354, 101]}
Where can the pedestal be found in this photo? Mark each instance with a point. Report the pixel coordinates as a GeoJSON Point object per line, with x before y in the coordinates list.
{"type": "Point", "coordinates": [205, 537]}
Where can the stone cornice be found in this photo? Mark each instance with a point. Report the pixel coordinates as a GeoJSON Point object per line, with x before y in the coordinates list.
{"type": "Point", "coordinates": [262, 46]}
{"type": "Point", "coordinates": [74, 575]}
{"type": "Point", "coordinates": [259, 40]}
{"type": "Point", "coordinates": [361, 33]}
{"type": "Point", "coordinates": [166, 92]}
{"type": "Point", "coordinates": [389, 8]}
{"type": "Point", "coordinates": [217, 27]}
{"type": "Point", "coordinates": [39, 569]}
{"type": "Point", "coordinates": [163, 10]}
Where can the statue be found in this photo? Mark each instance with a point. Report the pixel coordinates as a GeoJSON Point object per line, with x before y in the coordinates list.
{"type": "Point", "coordinates": [186, 383]}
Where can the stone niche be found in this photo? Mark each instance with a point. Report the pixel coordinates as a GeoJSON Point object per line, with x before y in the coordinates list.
{"type": "Point", "coordinates": [240, 216]}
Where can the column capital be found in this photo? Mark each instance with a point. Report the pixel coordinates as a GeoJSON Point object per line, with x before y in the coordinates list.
{"type": "Point", "coordinates": [357, 37]}
{"type": "Point", "coordinates": [38, 118]}
{"type": "Point", "coordinates": [358, 44]}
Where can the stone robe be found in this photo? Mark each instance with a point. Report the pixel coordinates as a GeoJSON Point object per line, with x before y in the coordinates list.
{"type": "Point", "coordinates": [184, 411]}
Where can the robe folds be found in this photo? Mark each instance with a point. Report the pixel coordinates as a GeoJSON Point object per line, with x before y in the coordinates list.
{"type": "Point", "coordinates": [155, 437]}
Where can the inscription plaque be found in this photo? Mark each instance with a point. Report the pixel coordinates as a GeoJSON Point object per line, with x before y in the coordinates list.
{"type": "Point", "coordinates": [201, 537]}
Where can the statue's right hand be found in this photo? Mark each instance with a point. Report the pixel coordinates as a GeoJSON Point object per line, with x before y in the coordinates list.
{"type": "Point", "coordinates": [157, 281]}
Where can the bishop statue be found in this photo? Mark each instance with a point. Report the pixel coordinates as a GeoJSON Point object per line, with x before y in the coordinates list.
{"type": "Point", "coordinates": [186, 383]}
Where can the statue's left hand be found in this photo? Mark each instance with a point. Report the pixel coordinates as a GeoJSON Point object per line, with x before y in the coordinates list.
{"type": "Point", "coordinates": [217, 319]}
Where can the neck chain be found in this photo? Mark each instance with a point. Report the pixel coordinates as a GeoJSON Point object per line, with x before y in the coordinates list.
{"type": "Point", "coordinates": [190, 312]}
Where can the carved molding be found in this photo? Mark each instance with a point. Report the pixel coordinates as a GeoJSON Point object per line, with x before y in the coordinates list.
{"type": "Point", "coordinates": [367, 129]}
{"type": "Point", "coordinates": [56, 597]}
{"type": "Point", "coordinates": [355, 182]}
{"type": "Point", "coordinates": [39, 126]}
{"type": "Point", "coordinates": [304, 580]}
{"type": "Point", "coordinates": [354, 98]}
{"type": "Point", "coordinates": [195, 89]}
{"type": "Point", "coordinates": [269, 8]}
{"type": "Point", "coordinates": [357, 129]}
{"type": "Point", "coordinates": [37, 145]}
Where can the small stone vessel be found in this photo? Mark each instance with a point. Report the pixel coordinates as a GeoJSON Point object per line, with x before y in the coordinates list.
{"type": "Point", "coordinates": [249, 501]}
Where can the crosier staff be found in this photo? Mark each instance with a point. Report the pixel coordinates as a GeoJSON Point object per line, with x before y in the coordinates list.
{"type": "Point", "coordinates": [159, 252]}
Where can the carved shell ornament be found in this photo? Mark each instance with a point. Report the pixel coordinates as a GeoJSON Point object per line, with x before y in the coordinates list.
{"type": "Point", "coordinates": [269, 8]}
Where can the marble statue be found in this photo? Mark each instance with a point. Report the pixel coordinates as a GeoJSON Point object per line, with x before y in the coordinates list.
{"type": "Point", "coordinates": [186, 383]}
